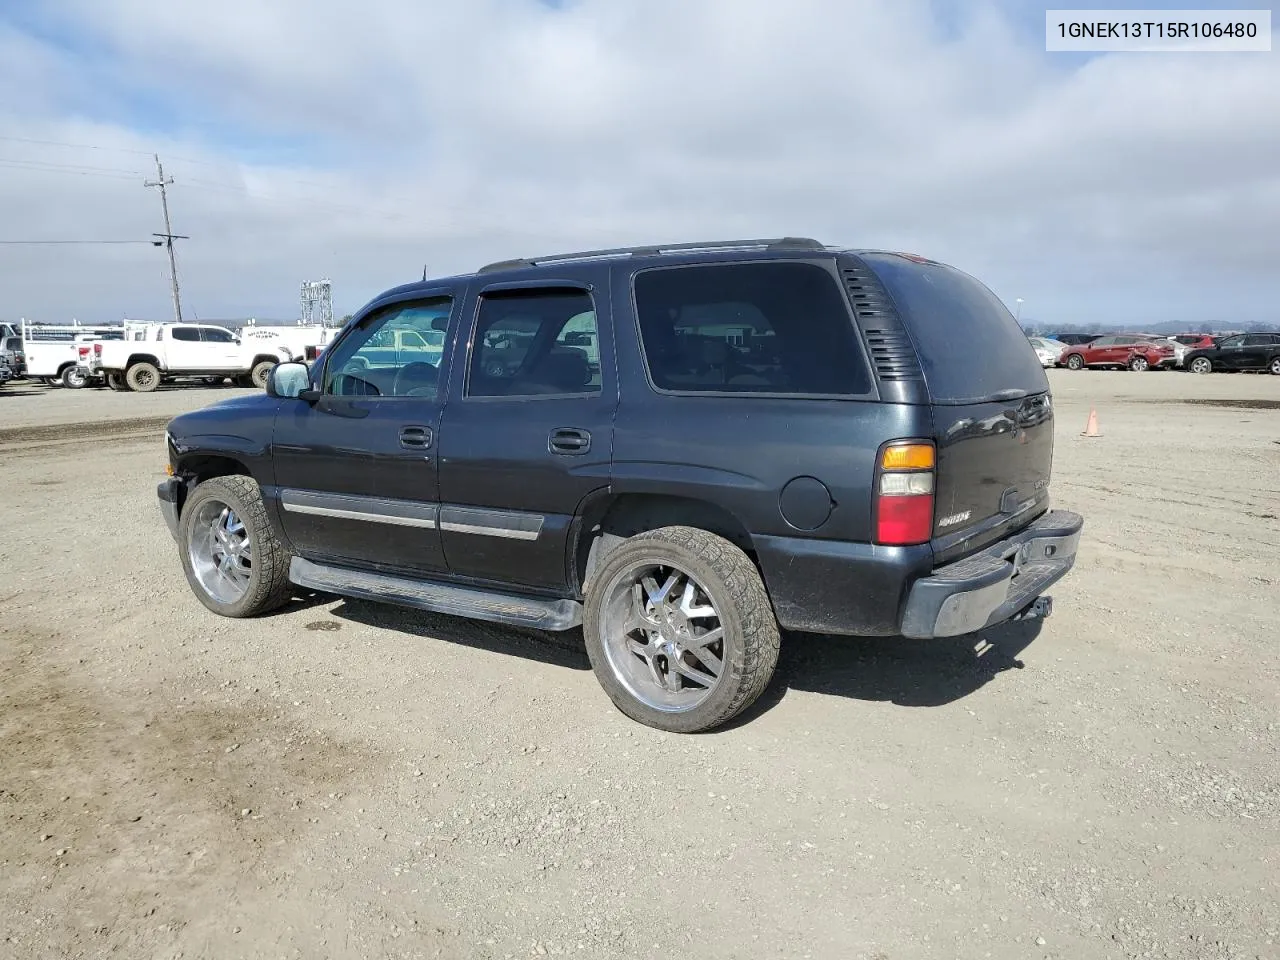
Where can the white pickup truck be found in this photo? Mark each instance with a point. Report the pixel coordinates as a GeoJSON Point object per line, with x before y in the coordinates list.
{"type": "Point", "coordinates": [153, 352]}
{"type": "Point", "coordinates": [59, 353]}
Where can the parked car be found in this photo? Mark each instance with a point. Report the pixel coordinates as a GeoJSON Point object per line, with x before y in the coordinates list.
{"type": "Point", "coordinates": [892, 481]}
{"type": "Point", "coordinates": [1246, 351]}
{"type": "Point", "coordinates": [6, 372]}
{"type": "Point", "coordinates": [1073, 339]}
{"type": "Point", "coordinates": [13, 356]}
{"type": "Point", "coordinates": [1134, 351]}
{"type": "Point", "coordinates": [1048, 351]}
{"type": "Point", "coordinates": [1195, 341]}
{"type": "Point", "coordinates": [152, 352]}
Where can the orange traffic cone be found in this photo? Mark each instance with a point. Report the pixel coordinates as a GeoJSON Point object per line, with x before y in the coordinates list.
{"type": "Point", "coordinates": [1091, 428]}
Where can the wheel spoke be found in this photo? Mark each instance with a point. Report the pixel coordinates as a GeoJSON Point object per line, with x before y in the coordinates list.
{"type": "Point", "coordinates": [656, 673]}
{"type": "Point", "coordinates": [708, 659]}
{"type": "Point", "coordinates": [659, 595]}
{"type": "Point", "coordinates": [687, 604]}
{"type": "Point", "coordinates": [689, 673]}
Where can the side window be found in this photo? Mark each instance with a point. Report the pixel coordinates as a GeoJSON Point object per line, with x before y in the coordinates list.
{"type": "Point", "coordinates": [214, 335]}
{"type": "Point", "coordinates": [535, 343]}
{"type": "Point", "coordinates": [185, 334]}
{"type": "Point", "coordinates": [393, 353]}
{"type": "Point", "coordinates": [765, 327]}
{"type": "Point", "coordinates": [1104, 342]}
{"type": "Point", "coordinates": [1259, 340]}
{"type": "Point", "coordinates": [1231, 342]}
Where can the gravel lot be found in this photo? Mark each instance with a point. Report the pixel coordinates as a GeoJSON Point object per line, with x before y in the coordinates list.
{"type": "Point", "coordinates": [346, 780]}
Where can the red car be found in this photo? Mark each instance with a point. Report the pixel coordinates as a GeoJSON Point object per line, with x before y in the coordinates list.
{"type": "Point", "coordinates": [1196, 341]}
{"type": "Point", "coordinates": [1135, 351]}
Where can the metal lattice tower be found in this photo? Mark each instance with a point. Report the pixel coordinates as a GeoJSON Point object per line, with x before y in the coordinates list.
{"type": "Point", "coordinates": [317, 302]}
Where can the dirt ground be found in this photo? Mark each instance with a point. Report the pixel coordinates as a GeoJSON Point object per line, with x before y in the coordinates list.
{"type": "Point", "coordinates": [346, 780]}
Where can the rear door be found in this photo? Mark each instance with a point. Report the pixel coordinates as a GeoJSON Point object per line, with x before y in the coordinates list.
{"type": "Point", "coordinates": [992, 411]}
{"type": "Point", "coordinates": [183, 349]}
{"type": "Point", "coordinates": [530, 433]}
{"type": "Point", "coordinates": [1257, 351]}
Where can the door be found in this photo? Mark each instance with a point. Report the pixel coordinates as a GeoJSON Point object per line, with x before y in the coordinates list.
{"type": "Point", "coordinates": [183, 349]}
{"type": "Point", "coordinates": [530, 433]}
{"type": "Point", "coordinates": [1256, 352]}
{"type": "Point", "coordinates": [356, 472]}
{"type": "Point", "coordinates": [1230, 353]}
{"type": "Point", "coordinates": [221, 351]}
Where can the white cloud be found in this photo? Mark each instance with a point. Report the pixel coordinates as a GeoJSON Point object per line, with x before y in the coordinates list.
{"type": "Point", "coordinates": [1138, 185]}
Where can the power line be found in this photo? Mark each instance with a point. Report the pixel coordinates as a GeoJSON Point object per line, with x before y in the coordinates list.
{"type": "Point", "coordinates": [154, 243]}
{"type": "Point", "coordinates": [77, 146]}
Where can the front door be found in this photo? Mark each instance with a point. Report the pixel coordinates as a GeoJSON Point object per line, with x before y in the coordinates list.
{"type": "Point", "coordinates": [1231, 352]}
{"type": "Point", "coordinates": [222, 352]}
{"type": "Point", "coordinates": [356, 476]}
{"type": "Point", "coordinates": [529, 434]}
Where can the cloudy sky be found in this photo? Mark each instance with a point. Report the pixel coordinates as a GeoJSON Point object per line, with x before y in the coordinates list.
{"type": "Point", "coordinates": [360, 141]}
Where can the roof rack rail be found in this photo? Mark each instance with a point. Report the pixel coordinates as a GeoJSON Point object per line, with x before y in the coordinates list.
{"type": "Point", "coordinates": [776, 243]}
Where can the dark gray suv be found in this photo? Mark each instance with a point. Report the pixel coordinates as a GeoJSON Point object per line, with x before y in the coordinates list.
{"type": "Point", "coordinates": [680, 449]}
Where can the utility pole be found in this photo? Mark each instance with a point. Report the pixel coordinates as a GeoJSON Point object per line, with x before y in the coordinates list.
{"type": "Point", "coordinates": [169, 236]}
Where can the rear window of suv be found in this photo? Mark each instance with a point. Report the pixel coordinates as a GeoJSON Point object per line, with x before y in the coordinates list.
{"type": "Point", "coordinates": [763, 327]}
{"type": "Point", "coordinates": [969, 344]}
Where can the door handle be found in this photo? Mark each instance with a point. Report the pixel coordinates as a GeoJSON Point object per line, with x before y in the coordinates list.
{"type": "Point", "coordinates": [570, 440]}
{"type": "Point", "coordinates": [416, 438]}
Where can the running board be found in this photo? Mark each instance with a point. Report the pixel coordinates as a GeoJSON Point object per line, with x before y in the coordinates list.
{"type": "Point", "coordinates": [437, 597]}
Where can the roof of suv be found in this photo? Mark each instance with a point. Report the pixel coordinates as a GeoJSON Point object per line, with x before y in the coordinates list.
{"type": "Point", "coordinates": [706, 251]}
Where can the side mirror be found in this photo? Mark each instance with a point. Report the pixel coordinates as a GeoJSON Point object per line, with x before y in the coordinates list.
{"type": "Point", "coordinates": [288, 381]}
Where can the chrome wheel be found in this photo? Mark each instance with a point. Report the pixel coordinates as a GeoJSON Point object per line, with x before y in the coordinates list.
{"type": "Point", "coordinates": [1139, 364]}
{"type": "Point", "coordinates": [220, 552]}
{"type": "Point", "coordinates": [663, 637]}
{"type": "Point", "coordinates": [1201, 365]}
{"type": "Point", "coordinates": [1275, 366]}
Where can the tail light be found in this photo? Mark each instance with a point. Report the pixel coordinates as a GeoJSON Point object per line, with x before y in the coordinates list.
{"type": "Point", "coordinates": [97, 349]}
{"type": "Point", "coordinates": [903, 511]}
{"type": "Point", "coordinates": [84, 352]}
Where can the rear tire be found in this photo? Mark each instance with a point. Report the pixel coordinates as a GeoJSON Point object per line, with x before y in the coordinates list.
{"type": "Point", "coordinates": [255, 578]}
{"type": "Point", "coordinates": [73, 378]}
{"type": "Point", "coordinates": [1139, 364]}
{"type": "Point", "coordinates": [1201, 365]}
{"type": "Point", "coordinates": [1075, 362]}
{"type": "Point", "coordinates": [142, 377]}
{"type": "Point", "coordinates": [654, 669]}
{"type": "Point", "coordinates": [1275, 366]}
{"type": "Point", "coordinates": [116, 382]}
{"type": "Point", "coordinates": [261, 371]}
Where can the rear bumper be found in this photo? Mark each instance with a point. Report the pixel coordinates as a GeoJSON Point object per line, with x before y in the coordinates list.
{"type": "Point", "coordinates": [999, 583]}
{"type": "Point", "coordinates": [168, 493]}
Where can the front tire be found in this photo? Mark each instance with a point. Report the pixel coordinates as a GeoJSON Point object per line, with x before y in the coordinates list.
{"type": "Point", "coordinates": [233, 560]}
{"type": "Point", "coordinates": [1139, 364]}
{"type": "Point", "coordinates": [1275, 366]}
{"type": "Point", "coordinates": [1075, 362]}
{"type": "Point", "coordinates": [1201, 365]}
{"type": "Point", "coordinates": [680, 630]}
{"type": "Point", "coordinates": [142, 377]}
